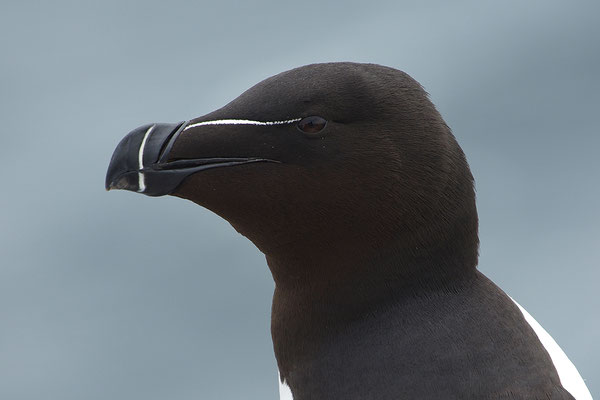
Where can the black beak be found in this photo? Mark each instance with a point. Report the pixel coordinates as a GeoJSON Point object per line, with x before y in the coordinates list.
{"type": "Point", "coordinates": [140, 162]}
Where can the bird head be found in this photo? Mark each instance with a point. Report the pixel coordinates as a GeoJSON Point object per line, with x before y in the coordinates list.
{"type": "Point", "coordinates": [318, 158]}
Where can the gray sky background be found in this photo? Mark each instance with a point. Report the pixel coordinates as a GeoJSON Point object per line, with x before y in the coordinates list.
{"type": "Point", "coordinates": [121, 296]}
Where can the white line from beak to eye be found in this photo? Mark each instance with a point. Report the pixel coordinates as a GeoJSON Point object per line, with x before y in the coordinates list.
{"type": "Point", "coordinates": [241, 122]}
{"type": "Point", "coordinates": [141, 182]}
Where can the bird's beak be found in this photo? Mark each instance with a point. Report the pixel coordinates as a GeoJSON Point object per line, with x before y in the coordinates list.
{"type": "Point", "coordinates": [142, 162]}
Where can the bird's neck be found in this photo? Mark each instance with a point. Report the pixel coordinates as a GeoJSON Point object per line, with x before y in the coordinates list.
{"type": "Point", "coordinates": [317, 299]}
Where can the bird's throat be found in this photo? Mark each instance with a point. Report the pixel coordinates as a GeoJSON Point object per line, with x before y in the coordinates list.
{"type": "Point", "coordinates": [316, 302]}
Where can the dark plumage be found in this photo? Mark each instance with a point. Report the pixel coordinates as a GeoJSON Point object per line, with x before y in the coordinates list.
{"type": "Point", "coordinates": [369, 227]}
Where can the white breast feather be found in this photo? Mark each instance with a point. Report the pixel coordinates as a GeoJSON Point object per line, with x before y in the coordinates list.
{"type": "Point", "coordinates": [567, 372]}
{"type": "Point", "coordinates": [285, 393]}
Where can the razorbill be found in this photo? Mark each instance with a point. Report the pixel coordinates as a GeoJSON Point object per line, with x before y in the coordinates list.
{"type": "Point", "coordinates": [347, 178]}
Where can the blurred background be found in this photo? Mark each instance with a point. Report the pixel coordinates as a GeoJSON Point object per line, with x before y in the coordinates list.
{"type": "Point", "coordinates": [121, 296]}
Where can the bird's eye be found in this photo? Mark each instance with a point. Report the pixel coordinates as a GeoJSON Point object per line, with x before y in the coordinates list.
{"type": "Point", "coordinates": [312, 125]}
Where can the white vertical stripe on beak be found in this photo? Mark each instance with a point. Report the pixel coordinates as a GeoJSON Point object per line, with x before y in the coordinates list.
{"type": "Point", "coordinates": [141, 182]}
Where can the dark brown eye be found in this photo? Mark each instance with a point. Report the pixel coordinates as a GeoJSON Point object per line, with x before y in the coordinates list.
{"type": "Point", "coordinates": [312, 125]}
